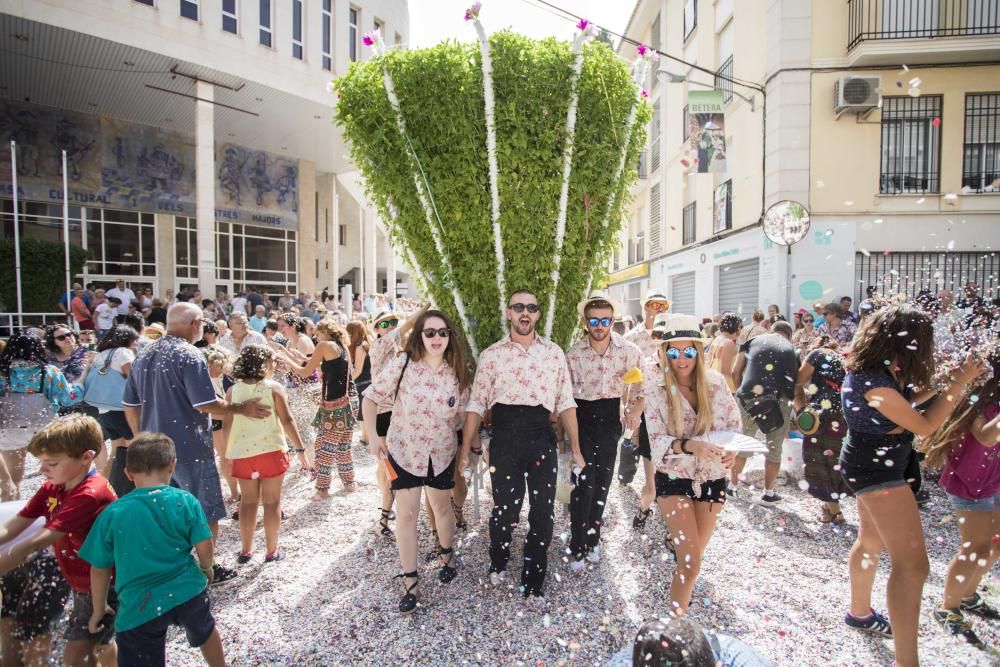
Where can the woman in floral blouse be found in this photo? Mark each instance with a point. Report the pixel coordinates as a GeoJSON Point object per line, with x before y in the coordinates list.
{"type": "Point", "coordinates": [428, 388]}
{"type": "Point", "coordinates": [24, 369]}
{"type": "Point", "coordinates": [684, 400]}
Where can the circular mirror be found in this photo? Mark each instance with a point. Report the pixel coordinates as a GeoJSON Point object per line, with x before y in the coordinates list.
{"type": "Point", "coordinates": [786, 222]}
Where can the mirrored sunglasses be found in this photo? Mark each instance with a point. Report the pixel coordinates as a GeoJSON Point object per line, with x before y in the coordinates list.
{"type": "Point", "coordinates": [431, 333]}
{"type": "Point", "coordinates": [603, 321]}
{"type": "Point", "coordinates": [521, 307]}
{"type": "Point", "coordinates": [658, 306]}
{"type": "Point", "coordinates": [386, 324]}
{"type": "Point", "coordinates": [689, 352]}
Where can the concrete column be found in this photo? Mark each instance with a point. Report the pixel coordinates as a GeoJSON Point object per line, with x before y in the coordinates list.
{"type": "Point", "coordinates": [166, 261]}
{"type": "Point", "coordinates": [390, 269]}
{"type": "Point", "coordinates": [371, 240]}
{"type": "Point", "coordinates": [360, 287]}
{"type": "Point", "coordinates": [307, 250]}
{"type": "Point", "coordinates": [204, 134]}
{"type": "Point", "coordinates": [334, 238]}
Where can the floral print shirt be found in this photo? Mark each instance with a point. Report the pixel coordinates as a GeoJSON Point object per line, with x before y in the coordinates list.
{"type": "Point", "coordinates": [843, 334]}
{"type": "Point", "coordinates": [382, 351]}
{"type": "Point", "coordinates": [427, 412]}
{"type": "Point", "coordinates": [26, 378]}
{"type": "Point", "coordinates": [72, 368]}
{"type": "Point", "coordinates": [726, 417]}
{"type": "Point", "coordinates": [514, 375]}
{"type": "Point", "coordinates": [640, 336]}
{"type": "Point", "coordinates": [596, 376]}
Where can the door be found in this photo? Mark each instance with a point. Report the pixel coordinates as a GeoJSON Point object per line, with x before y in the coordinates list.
{"type": "Point", "coordinates": [739, 287]}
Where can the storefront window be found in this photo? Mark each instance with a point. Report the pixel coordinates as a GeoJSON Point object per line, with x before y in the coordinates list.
{"type": "Point", "coordinates": [260, 256]}
{"type": "Point", "coordinates": [186, 247]}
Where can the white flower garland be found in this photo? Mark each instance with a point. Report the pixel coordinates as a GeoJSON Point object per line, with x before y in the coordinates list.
{"type": "Point", "coordinates": [638, 76]}
{"type": "Point", "coordinates": [585, 31]}
{"type": "Point", "coordinates": [491, 153]}
{"type": "Point", "coordinates": [378, 48]}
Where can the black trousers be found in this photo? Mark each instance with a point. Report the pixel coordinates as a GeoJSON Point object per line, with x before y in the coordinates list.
{"type": "Point", "coordinates": [522, 453]}
{"type": "Point", "coordinates": [628, 463]}
{"type": "Point", "coordinates": [600, 428]}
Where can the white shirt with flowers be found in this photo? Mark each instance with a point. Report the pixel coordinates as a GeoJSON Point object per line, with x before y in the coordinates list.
{"type": "Point", "coordinates": [599, 376]}
{"type": "Point", "coordinates": [642, 337]}
{"type": "Point", "coordinates": [514, 375]}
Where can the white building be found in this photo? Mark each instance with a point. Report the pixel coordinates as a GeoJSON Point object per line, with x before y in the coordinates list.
{"type": "Point", "coordinates": [200, 140]}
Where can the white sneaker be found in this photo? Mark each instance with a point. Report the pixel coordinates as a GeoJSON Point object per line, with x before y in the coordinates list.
{"type": "Point", "coordinates": [497, 578]}
{"type": "Point", "coordinates": [595, 555]}
{"type": "Point", "coordinates": [577, 566]}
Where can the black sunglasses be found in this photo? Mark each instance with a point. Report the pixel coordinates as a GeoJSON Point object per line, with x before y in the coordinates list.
{"type": "Point", "coordinates": [385, 324]}
{"type": "Point", "coordinates": [431, 333]}
{"type": "Point", "coordinates": [809, 321]}
{"type": "Point", "coordinates": [521, 307]}
{"type": "Point", "coordinates": [62, 337]}
{"type": "Point", "coordinates": [603, 321]}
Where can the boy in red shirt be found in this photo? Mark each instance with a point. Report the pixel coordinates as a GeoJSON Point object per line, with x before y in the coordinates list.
{"type": "Point", "coordinates": [71, 498]}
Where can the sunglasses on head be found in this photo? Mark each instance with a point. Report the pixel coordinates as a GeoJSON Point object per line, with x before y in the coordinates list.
{"type": "Point", "coordinates": [658, 306]}
{"type": "Point", "coordinates": [521, 307]}
{"type": "Point", "coordinates": [385, 324]}
{"type": "Point", "coordinates": [603, 321]}
{"type": "Point", "coordinates": [431, 333]}
{"type": "Point", "coordinates": [689, 352]}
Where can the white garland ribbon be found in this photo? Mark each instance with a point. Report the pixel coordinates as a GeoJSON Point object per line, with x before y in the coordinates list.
{"type": "Point", "coordinates": [638, 76]}
{"type": "Point", "coordinates": [390, 91]}
{"type": "Point", "coordinates": [491, 154]}
{"type": "Point", "coordinates": [567, 171]}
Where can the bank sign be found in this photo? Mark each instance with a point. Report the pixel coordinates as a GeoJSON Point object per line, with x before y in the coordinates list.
{"type": "Point", "coordinates": [116, 164]}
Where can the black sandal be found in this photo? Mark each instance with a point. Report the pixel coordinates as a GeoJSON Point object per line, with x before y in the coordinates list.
{"type": "Point", "coordinates": [408, 604]}
{"type": "Point", "coordinates": [382, 526]}
{"type": "Point", "coordinates": [447, 572]}
{"type": "Point", "coordinates": [639, 520]}
{"type": "Point", "coordinates": [459, 516]}
{"type": "Point", "coordinates": [436, 551]}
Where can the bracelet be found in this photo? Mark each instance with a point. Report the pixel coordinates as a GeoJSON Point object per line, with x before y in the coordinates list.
{"type": "Point", "coordinates": [299, 450]}
{"type": "Point", "coordinates": [684, 449]}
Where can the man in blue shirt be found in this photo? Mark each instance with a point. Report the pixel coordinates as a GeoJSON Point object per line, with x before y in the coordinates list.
{"type": "Point", "coordinates": [259, 320]}
{"type": "Point", "coordinates": [170, 391]}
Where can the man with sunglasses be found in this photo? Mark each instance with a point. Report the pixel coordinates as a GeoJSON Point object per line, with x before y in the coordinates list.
{"type": "Point", "coordinates": [597, 366]}
{"type": "Point", "coordinates": [522, 379]}
{"type": "Point", "coordinates": [655, 303]}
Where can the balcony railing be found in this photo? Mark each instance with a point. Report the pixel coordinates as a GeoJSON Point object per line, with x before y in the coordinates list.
{"type": "Point", "coordinates": [916, 19]}
{"type": "Point", "coordinates": [723, 79]}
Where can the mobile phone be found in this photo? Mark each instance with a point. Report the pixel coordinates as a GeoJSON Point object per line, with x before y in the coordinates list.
{"type": "Point", "coordinates": [91, 347]}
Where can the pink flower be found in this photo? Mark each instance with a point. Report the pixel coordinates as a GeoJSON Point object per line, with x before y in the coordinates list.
{"type": "Point", "coordinates": [641, 50]}
{"type": "Point", "coordinates": [645, 93]}
{"type": "Point", "coordinates": [472, 13]}
{"type": "Point", "coordinates": [582, 25]}
{"type": "Point", "coordinates": [368, 39]}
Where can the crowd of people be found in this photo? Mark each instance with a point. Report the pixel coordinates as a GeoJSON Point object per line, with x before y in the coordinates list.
{"type": "Point", "coordinates": [143, 424]}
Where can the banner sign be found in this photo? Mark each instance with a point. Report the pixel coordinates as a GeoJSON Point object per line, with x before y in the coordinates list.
{"type": "Point", "coordinates": [708, 131]}
{"type": "Point", "coordinates": [721, 204]}
{"type": "Point", "coordinates": [117, 164]}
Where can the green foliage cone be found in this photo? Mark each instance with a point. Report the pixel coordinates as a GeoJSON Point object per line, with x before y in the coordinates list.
{"type": "Point", "coordinates": [440, 94]}
{"type": "Point", "coordinates": [43, 274]}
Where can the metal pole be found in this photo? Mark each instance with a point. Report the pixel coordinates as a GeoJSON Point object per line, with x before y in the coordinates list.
{"type": "Point", "coordinates": [69, 299]}
{"type": "Point", "coordinates": [17, 235]}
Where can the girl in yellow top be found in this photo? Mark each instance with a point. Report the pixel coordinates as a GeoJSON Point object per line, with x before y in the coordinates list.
{"type": "Point", "coordinates": [257, 448]}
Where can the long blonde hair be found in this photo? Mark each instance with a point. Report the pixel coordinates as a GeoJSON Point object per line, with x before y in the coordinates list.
{"type": "Point", "coordinates": [675, 419]}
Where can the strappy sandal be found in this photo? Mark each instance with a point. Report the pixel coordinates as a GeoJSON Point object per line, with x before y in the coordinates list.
{"type": "Point", "coordinates": [411, 593]}
{"type": "Point", "coordinates": [436, 551]}
{"type": "Point", "coordinates": [459, 516]}
{"type": "Point", "coordinates": [827, 515]}
{"type": "Point", "coordinates": [382, 525]}
{"type": "Point", "coordinates": [447, 572]}
{"type": "Point", "coordinates": [838, 519]}
{"type": "Point", "coordinates": [639, 520]}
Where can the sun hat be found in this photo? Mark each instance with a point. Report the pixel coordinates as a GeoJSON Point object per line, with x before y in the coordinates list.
{"type": "Point", "coordinates": [154, 331]}
{"type": "Point", "coordinates": [677, 327]}
{"type": "Point", "coordinates": [656, 295]}
{"type": "Point", "coordinates": [597, 295]}
{"type": "Point", "coordinates": [384, 314]}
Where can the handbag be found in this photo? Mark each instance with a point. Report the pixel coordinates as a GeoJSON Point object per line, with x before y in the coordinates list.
{"type": "Point", "coordinates": [765, 410]}
{"type": "Point", "coordinates": [105, 388]}
{"type": "Point", "coordinates": [22, 415]}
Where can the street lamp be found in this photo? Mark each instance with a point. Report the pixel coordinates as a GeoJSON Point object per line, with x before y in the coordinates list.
{"type": "Point", "coordinates": [671, 77]}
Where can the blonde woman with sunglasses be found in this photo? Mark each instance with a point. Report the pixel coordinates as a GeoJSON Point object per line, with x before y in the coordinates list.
{"type": "Point", "coordinates": [685, 400]}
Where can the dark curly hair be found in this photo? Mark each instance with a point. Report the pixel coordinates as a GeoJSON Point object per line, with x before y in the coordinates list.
{"type": "Point", "coordinates": [119, 336]}
{"type": "Point", "coordinates": [50, 336]}
{"type": "Point", "coordinates": [22, 346]}
{"type": "Point", "coordinates": [293, 320]}
{"type": "Point", "coordinates": [730, 323]}
{"type": "Point", "coordinates": [252, 363]}
{"type": "Point", "coordinates": [898, 335]}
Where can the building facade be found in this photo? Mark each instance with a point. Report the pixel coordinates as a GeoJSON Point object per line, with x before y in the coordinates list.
{"type": "Point", "coordinates": [900, 183]}
{"type": "Point", "coordinates": [199, 140]}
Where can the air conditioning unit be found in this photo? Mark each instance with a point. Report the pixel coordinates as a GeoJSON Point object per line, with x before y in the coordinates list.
{"type": "Point", "coordinates": [857, 94]}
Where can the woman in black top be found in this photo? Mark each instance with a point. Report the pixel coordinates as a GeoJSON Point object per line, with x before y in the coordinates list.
{"type": "Point", "coordinates": [157, 313]}
{"type": "Point", "coordinates": [818, 387]}
{"type": "Point", "coordinates": [334, 420]}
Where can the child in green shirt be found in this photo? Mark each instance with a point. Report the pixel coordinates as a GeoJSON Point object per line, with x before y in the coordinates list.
{"type": "Point", "coordinates": [146, 538]}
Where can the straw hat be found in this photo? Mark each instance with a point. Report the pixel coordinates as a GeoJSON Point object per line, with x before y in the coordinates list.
{"type": "Point", "coordinates": [677, 327]}
{"type": "Point", "coordinates": [154, 331]}
{"type": "Point", "coordinates": [384, 314]}
{"type": "Point", "coordinates": [597, 295]}
{"type": "Point", "coordinates": [656, 295]}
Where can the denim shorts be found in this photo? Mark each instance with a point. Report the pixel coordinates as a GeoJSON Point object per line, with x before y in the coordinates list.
{"type": "Point", "coordinates": [147, 643]}
{"type": "Point", "coordinates": [987, 504]}
{"type": "Point", "coordinates": [200, 478]}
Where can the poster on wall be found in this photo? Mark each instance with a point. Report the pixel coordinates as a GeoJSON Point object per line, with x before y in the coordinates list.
{"type": "Point", "coordinates": [708, 131]}
{"type": "Point", "coordinates": [255, 186]}
{"type": "Point", "coordinates": [720, 222]}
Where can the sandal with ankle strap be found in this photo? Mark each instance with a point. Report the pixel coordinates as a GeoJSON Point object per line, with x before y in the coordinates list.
{"type": "Point", "coordinates": [382, 525]}
{"type": "Point", "coordinates": [639, 520]}
{"type": "Point", "coordinates": [436, 551]}
{"type": "Point", "coordinates": [447, 572]}
{"type": "Point", "coordinates": [459, 516]}
{"type": "Point", "coordinates": [411, 593]}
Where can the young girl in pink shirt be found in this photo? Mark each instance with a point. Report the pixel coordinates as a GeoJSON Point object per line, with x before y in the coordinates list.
{"type": "Point", "coordinates": [968, 447]}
